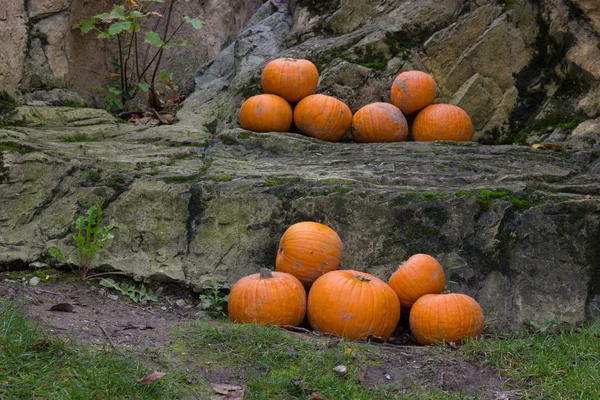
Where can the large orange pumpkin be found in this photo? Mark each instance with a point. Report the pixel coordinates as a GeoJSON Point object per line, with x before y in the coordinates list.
{"type": "Point", "coordinates": [323, 117]}
{"type": "Point", "coordinates": [293, 79]}
{"type": "Point", "coordinates": [438, 318]}
{"type": "Point", "coordinates": [421, 274]}
{"type": "Point", "coordinates": [442, 122]}
{"type": "Point", "coordinates": [379, 122]}
{"type": "Point", "coordinates": [413, 90]}
{"type": "Point", "coordinates": [308, 250]}
{"type": "Point", "coordinates": [266, 113]}
{"type": "Point", "coordinates": [267, 298]}
{"type": "Point", "coordinates": [354, 305]}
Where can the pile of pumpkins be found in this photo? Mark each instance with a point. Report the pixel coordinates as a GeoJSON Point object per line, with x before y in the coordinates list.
{"type": "Point", "coordinates": [347, 303]}
{"type": "Point", "coordinates": [288, 81]}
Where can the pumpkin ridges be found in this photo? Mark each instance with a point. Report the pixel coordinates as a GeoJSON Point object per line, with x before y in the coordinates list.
{"type": "Point", "coordinates": [341, 304]}
{"type": "Point", "coordinates": [292, 79]}
{"type": "Point", "coordinates": [379, 122]}
{"type": "Point", "coordinates": [412, 91]}
{"type": "Point", "coordinates": [445, 317]}
{"type": "Point", "coordinates": [266, 113]}
{"type": "Point", "coordinates": [323, 117]}
{"type": "Point", "coordinates": [280, 299]}
{"type": "Point", "coordinates": [420, 274]}
{"type": "Point", "coordinates": [307, 250]}
{"type": "Point", "coordinates": [442, 122]}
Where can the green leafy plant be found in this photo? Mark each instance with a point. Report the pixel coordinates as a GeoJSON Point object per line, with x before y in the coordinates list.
{"type": "Point", "coordinates": [134, 293]}
{"type": "Point", "coordinates": [138, 62]}
{"type": "Point", "coordinates": [90, 239]}
{"type": "Point", "coordinates": [215, 302]}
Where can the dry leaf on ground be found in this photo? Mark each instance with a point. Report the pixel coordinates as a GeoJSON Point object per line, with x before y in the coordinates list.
{"type": "Point", "coordinates": [151, 378]}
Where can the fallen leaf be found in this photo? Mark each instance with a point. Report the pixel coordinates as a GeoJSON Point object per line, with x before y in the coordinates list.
{"type": "Point", "coordinates": [547, 146]}
{"type": "Point", "coordinates": [348, 350]}
{"type": "Point", "coordinates": [587, 196]}
{"type": "Point", "coordinates": [151, 378]}
{"type": "Point", "coordinates": [235, 395]}
{"type": "Point", "coordinates": [224, 388]}
{"type": "Point", "coordinates": [63, 307]}
{"type": "Point", "coordinates": [316, 396]}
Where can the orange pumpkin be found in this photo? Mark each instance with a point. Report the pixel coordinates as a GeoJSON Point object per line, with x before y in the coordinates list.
{"type": "Point", "coordinates": [266, 113]}
{"type": "Point", "coordinates": [354, 305]}
{"type": "Point", "coordinates": [293, 79]}
{"type": "Point", "coordinates": [438, 318]}
{"type": "Point", "coordinates": [413, 90]}
{"type": "Point", "coordinates": [308, 250]}
{"type": "Point", "coordinates": [421, 274]}
{"type": "Point", "coordinates": [323, 117]}
{"type": "Point", "coordinates": [442, 122]}
{"type": "Point", "coordinates": [267, 298]}
{"type": "Point", "coordinates": [379, 122]}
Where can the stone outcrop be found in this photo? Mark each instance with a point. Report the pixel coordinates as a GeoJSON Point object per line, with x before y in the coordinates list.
{"type": "Point", "coordinates": [515, 227]}
{"type": "Point", "coordinates": [513, 70]}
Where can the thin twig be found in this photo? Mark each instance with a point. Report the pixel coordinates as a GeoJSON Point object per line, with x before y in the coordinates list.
{"type": "Point", "coordinates": [107, 337]}
{"type": "Point", "coordinates": [297, 329]}
{"type": "Point", "coordinates": [162, 119]}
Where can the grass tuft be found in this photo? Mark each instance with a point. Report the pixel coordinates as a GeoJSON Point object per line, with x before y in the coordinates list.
{"type": "Point", "coordinates": [554, 362]}
{"type": "Point", "coordinates": [34, 365]}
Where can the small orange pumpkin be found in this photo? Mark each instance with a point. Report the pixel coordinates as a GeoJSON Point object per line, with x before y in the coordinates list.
{"type": "Point", "coordinates": [421, 274]}
{"type": "Point", "coordinates": [323, 117]}
{"type": "Point", "coordinates": [413, 90]}
{"type": "Point", "coordinates": [379, 122]}
{"type": "Point", "coordinates": [293, 79]}
{"type": "Point", "coordinates": [267, 298]}
{"type": "Point", "coordinates": [308, 250]}
{"type": "Point", "coordinates": [442, 122]}
{"type": "Point", "coordinates": [266, 113]}
{"type": "Point", "coordinates": [354, 305]}
{"type": "Point", "coordinates": [452, 317]}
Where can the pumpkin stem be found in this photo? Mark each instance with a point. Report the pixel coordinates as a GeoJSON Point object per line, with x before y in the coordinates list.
{"type": "Point", "coordinates": [265, 273]}
{"type": "Point", "coordinates": [362, 278]}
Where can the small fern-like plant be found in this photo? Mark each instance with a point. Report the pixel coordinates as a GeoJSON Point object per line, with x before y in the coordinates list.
{"type": "Point", "coordinates": [90, 239]}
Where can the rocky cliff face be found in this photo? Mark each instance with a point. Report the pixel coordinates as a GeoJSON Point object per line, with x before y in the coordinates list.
{"type": "Point", "coordinates": [42, 51]}
{"type": "Point", "coordinates": [203, 201]}
{"type": "Point", "coordinates": [515, 67]}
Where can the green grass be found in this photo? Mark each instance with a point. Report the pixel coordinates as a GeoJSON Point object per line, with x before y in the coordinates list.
{"type": "Point", "coordinates": [555, 362]}
{"type": "Point", "coordinates": [15, 147]}
{"type": "Point", "coordinates": [34, 365]}
{"type": "Point", "coordinates": [278, 365]}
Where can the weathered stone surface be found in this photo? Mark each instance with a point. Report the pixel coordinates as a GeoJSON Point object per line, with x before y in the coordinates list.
{"type": "Point", "coordinates": [591, 8]}
{"type": "Point", "coordinates": [201, 209]}
{"type": "Point", "coordinates": [13, 36]}
{"type": "Point", "coordinates": [586, 135]}
{"type": "Point", "coordinates": [55, 97]}
{"type": "Point", "coordinates": [59, 116]}
{"type": "Point", "coordinates": [479, 97]}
